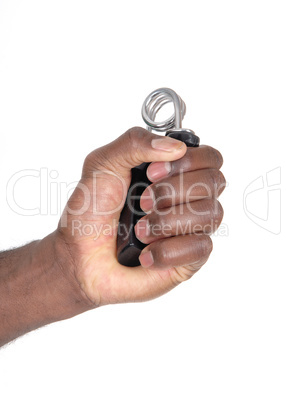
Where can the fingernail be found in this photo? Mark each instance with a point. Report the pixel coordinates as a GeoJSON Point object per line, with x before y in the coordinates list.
{"type": "Point", "coordinates": [142, 229]}
{"type": "Point", "coordinates": [146, 259]}
{"type": "Point", "coordinates": [147, 199]}
{"type": "Point", "coordinates": [167, 144]}
{"type": "Point", "coordinates": [157, 170]}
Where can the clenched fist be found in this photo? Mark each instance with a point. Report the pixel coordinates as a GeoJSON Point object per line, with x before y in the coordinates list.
{"type": "Point", "coordinates": [182, 211]}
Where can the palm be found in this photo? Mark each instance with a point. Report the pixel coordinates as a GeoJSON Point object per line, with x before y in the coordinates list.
{"type": "Point", "coordinates": [93, 246]}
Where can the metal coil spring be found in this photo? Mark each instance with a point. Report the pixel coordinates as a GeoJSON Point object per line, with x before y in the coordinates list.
{"type": "Point", "coordinates": [155, 101]}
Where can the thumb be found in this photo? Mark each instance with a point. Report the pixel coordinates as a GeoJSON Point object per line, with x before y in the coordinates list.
{"type": "Point", "coordinates": [131, 149]}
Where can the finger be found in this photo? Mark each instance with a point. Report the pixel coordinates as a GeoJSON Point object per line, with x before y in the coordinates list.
{"type": "Point", "coordinates": [176, 251]}
{"type": "Point", "coordinates": [202, 157]}
{"type": "Point", "coordinates": [183, 188]}
{"type": "Point", "coordinates": [131, 149]}
{"type": "Point", "coordinates": [202, 216]}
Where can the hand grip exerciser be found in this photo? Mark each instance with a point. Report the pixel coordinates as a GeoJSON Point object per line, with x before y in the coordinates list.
{"type": "Point", "coordinates": [128, 246]}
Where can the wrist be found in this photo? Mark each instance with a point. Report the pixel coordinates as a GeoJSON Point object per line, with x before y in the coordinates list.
{"type": "Point", "coordinates": [37, 287]}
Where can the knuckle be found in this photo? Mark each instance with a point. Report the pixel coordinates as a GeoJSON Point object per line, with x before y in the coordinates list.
{"type": "Point", "coordinates": [219, 158]}
{"type": "Point", "coordinates": [206, 245]}
{"type": "Point", "coordinates": [216, 156]}
{"type": "Point", "coordinates": [216, 210]}
{"type": "Point", "coordinates": [221, 178]}
{"type": "Point", "coordinates": [87, 163]}
{"type": "Point", "coordinates": [134, 135]}
{"type": "Point", "coordinates": [219, 211]}
{"type": "Point", "coordinates": [222, 183]}
{"type": "Point", "coordinates": [217, 179]}
{"type": "Point", "coordinates": [93, 161]}
{"type": "Point", "coordinates": [214, 175]}
{"type": "Point", "coordinates": [87, 159]}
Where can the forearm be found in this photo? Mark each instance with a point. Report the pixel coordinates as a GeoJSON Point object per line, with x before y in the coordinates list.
{"type": "Point", "coordinates": [36, 288]}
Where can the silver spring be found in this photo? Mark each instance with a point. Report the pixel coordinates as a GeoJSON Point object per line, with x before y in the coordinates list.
{"type": "Point", "coordinates": [155, 101]}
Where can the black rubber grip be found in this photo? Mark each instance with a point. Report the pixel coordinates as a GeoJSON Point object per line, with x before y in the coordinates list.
{"type": "Point", "coordinates": [128, 246]}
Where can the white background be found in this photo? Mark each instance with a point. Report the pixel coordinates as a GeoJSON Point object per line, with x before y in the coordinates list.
{"type": "Point", "coordinates": [73, 76]}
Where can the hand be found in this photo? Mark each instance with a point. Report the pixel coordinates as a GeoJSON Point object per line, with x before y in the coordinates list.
{"type": "Point", "coordinates": [86, 235]}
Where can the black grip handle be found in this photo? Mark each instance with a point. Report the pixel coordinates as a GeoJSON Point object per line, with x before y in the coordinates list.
{"type": "Point", "coordinates": [128, 246]}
